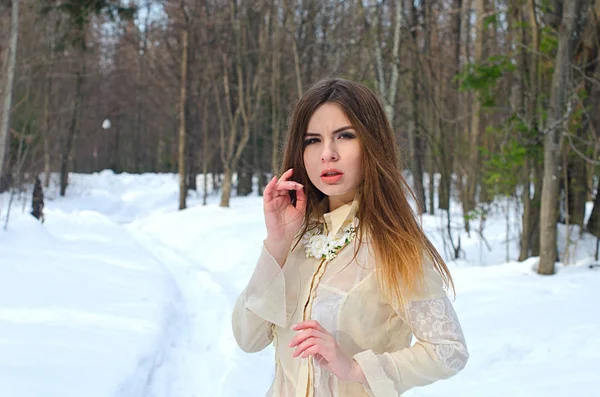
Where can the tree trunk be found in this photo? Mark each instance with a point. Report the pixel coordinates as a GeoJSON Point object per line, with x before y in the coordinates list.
{"type": "Point", "coordinates": [580, 170]}
{"type": "Point", "coordinates": [516, 20]}
{"type": "Point", "coordinates": [205, 148]}
{"type": "Point", "coordinates": [141, 93]}
{"type": "Point", "coordinates": [445, 185]}
{"type": "Point", "coordinates": [37, 200]}
{"type": "Point", "coordinates": [465, 27]}
{"type": "Point", "coordinates": [576, 188]}
{"type": "Point", "coordinates": [256, 156]}
{"type": "Point", "coordinates": [191, 165]}
{"type": "Point", "coordinates": [275, 97]}
{"type": "Point", "coordinates": [8, 92]}
{"type": "Point", "coordinates": [534, 72]}
{"type": "Point", "coordinates": [67, 152]}
{"type": "Point", "coordinates": [215, 179]}
{"type": "Point", "coordinates": [297, 68]}
{"type": "Point", "coordinates": [244, 183]}
{"type": "Point", "coordinates": [160, 151]}
{"type": "Point", "coordinates": [226, 189]}
{"type": "Point", "coordinates": [46, 133]}
{"type": "Point", "coordinates": [387, 92]}
{"type": "Point", "coordinates": [531, 206]}
{"type": "Point", "coordinates": [249, 93]}
{"type": "Point", "coordinates": [115, 160]}
{"type": "Point", "coordinates": [469, 202]}
{"type": "Point", "coordinates": [559, 111]}
{"type": "Point", "coordinates": [440, 135]}
{"type": "Point", "coordinates": [138, 120]}
{"type": "Point", "coordinates": [592, 100]}
{"type": "Point", "coordinates": [461, 160]}
{"type": "Point", "coordinates": [429, 123]}
{"type": "Point", "coordinates": [191, 146]}
{"type": "Point", "coordinates": [593, 223]}
{"type": "Point", "coordinates": [414, 133]}
{"type": "Point", "coordinates": [182, 120]}
{"type": "Point", "coordinates": [536, 205]}
{"type": "Point", "coordinates": [527, 211]}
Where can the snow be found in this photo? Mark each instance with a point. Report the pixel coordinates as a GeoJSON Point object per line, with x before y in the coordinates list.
{"type": "Point", "coordinates": [84, 310]}
{"type": "Point", "coordinates": [118, 294]}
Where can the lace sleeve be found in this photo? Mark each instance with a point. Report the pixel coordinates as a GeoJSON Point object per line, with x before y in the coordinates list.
{"type": "Point", "coordinates": [435, 322]}
{"type": "Point", "coordinates": [439, 353]}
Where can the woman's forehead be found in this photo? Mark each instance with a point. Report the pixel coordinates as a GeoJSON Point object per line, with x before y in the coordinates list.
{"type": "Point", "coordinates": [327, 118]}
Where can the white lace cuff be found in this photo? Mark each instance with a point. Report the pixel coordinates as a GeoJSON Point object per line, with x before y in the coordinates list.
{"type": "Point", "coordinates": [439, 353]}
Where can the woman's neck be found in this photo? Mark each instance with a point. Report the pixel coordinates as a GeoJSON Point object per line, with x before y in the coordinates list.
{"type": "Point", "coordinates": [336, 202]}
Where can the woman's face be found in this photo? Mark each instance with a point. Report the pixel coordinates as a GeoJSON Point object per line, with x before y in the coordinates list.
{"type": "Point", "coordinates": [332, 154]}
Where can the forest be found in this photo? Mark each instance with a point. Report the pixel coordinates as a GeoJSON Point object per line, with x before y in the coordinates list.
{"type": "Point", "coordinates": [495, 103]}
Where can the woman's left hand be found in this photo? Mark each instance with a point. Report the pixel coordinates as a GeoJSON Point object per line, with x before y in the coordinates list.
{"type": "Point", "coordinates": [314, 340]}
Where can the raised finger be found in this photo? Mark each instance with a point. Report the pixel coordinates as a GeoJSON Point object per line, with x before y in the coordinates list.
{"type": "Point", "coordinates": [271, 185]}
{"type": "Point", "coordinates": [281, 193]}
{"type": "Point", "coordinates": [311, 351]}
{"type": "Point", "coordinates": [305, 345]}
{"type": "Point", "coordinates": [300, 200]}
{"type": "Point", "coordinates": [302, 336]}
{"type": "Point", "coordinates": [309, 324]}
{"type": "Point", "coordinates": [270, 190]}
{"type": "Point", "coordinates": [288, 185]}
{"type": "Point", "coordinates": [284, 177]}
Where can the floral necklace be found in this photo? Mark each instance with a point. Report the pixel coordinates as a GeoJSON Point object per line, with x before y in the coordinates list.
{"type": "Point", "coordinates": [320, 246]}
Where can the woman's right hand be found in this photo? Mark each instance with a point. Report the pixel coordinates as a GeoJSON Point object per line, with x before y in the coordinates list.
{"type": "Point", "coordinates": [282, 219]}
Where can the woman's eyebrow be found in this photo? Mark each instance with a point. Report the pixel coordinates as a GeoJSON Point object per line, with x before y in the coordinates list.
{"type": "Point", "coordinates": [344, 128]}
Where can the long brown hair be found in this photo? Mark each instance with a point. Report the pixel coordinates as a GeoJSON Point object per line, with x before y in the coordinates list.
{"type": "Point", "coordinates": [384, 211]}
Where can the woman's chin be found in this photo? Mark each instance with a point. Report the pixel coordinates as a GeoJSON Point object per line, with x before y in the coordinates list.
{"type": "Point", "coordinates": [332, 190]}
{"type": "Point", "coordinates": [337, 192]}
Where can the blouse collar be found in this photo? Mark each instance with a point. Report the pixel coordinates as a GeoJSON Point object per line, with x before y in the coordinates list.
{"type": "Point", "coordinates": [335, 219]}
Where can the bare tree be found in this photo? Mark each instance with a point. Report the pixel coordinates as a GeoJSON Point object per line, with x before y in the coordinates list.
{"type": "Point", "coordinates": [387, 79]}
{"type": "Point", "coordinates": [8, 90]}
{"type": "Point", "coordinates": [249, 92]}
{"type": "Point", "coordinates": [560, 109]}
{"type": "Point", "coordinates": [476, 125]}
{"type": "Point", "coordinates": [182, 108]}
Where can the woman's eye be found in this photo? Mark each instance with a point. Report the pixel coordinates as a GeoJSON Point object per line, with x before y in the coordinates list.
{"type": "Point", "coordinates": [311, 140]}
{"type": "Point", "coordinates": [347, 135]}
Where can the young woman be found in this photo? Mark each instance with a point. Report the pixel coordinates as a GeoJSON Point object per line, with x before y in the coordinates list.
{"type": "Point", "coordinates": [346, 275]}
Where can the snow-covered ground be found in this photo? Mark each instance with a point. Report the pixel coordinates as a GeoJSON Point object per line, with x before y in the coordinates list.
{"type": "Point", "coordinates": [118, 294]}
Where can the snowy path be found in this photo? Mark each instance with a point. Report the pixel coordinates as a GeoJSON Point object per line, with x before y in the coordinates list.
{"type": "Point", "coordinates": [189, 362]}
{"type": "Point", "coordinates": [205, 360]}
{"type": "Point", "coordinates": [176, 262]}
{"type": "Point", "coordinates": [84, 310]}
{"type": "Point", "coordinates": [519, 325]}
{"type": "Point", "coordinates": [119, 294]}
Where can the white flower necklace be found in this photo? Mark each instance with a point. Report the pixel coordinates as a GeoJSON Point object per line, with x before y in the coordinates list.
{"type": "Point", "coordinates": [320, 246]}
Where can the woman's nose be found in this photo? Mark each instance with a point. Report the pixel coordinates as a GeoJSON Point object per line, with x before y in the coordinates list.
{"type": "Point", "coordinates": [329, 154]}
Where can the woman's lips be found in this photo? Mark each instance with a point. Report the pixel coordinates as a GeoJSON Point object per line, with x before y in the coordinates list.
{"type": "Point", "coordinates": [331, 178]}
